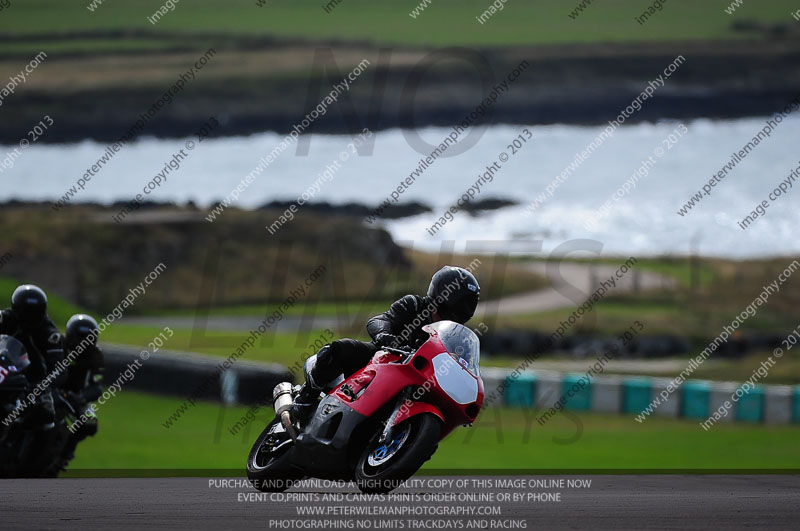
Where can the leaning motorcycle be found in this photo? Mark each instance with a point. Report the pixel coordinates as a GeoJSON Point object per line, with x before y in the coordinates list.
{"type": "Point", "coordinates": [26, 450]}
{"type": "Point", "coordinates": [380, 424]}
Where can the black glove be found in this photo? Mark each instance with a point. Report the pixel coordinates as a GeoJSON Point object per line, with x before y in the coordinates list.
{"type": "Point", "coordinates": [92, 392]}
{"type": "Point", "coordinates": [387, 340]}
{"type": "Point", "coordinates": [76, 399]}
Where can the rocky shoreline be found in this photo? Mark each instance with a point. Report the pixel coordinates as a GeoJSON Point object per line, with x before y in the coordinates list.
{"type": "Point", "coordinates": [323, 208]}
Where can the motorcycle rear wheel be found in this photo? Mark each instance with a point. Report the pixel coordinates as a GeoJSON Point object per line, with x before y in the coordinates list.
{"type": "Point", "coordinates": [268, 465]}
{"type": "Point", "coordinates": [382, 468]}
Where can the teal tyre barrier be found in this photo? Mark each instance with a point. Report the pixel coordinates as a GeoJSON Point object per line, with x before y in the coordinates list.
{"type": "Point", "coordinates": [521, 392]}
{"type": "Point", "coordinates": [692, 399]}
{"type": "Point", "coordinates": [749, 406]}
{"type": "Point", "coordinates": [577, 390]}
{"type": "Point", "coordinates": [696, 396]}
{"type": "Point", "coordinates": [636, 395]}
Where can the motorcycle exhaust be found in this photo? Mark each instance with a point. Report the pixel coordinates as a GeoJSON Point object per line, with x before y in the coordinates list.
{"type": "Point", "coordinates": [282, 402]}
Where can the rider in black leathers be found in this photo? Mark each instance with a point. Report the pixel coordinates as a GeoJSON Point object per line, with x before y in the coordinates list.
{"type": "Point", "coordinates": [452, 295]}
{"type": "Point", "coordinates": [28, 322]}
{"type": "Point", "coordinates": [85, 376]}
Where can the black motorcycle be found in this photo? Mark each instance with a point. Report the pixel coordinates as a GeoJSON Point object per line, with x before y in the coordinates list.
{"type": "Point", "coordinates": [26, 450]}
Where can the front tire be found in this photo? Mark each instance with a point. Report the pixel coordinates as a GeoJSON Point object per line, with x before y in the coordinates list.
{"type": "Point", "coordinates": [383, 468]}
{"type": "Point", "coordinates": [268, 465]}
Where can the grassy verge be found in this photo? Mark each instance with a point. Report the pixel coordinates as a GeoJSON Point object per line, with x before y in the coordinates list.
{"type": "Point", "coordinates": [285, 349]}
{"type": "Point", "coordinates": [131, 437]}
{"type": "Point", "coordinates": [660, 316]}
{"type": "Point", "coordinates": [698, 309]}
{"type": "Point", "coordinates": [321, 308]}
{"type": "Point", "coordinates": [443, 23]}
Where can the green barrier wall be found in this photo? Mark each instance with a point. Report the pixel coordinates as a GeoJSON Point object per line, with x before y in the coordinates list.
{"type": "Point", "coordinates": [750, 407]}
{"type": "Point", "coordinates": [636, 395]}
{"type": "Point", "coordinates": [696, 396]}
{"type": "Point", "coordinates": [581, 399]}
{"type": "Point", "coordinates": [521, 392]}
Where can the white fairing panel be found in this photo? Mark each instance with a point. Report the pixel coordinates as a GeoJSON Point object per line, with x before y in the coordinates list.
{"type": "Point", "coordinates": [454, 380]}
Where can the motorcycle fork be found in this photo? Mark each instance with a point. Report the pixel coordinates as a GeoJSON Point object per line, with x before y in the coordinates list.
{"type": "Point", "coordinates": [388, 429]}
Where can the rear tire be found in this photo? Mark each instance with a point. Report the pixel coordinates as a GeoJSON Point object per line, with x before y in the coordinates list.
{"type": "Point", "coordinates": [383, 468]}
{"type": "Point", "coordinates": [268, 465]}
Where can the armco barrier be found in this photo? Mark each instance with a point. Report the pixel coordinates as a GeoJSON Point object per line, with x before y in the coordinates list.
{"type": "Point", "coordinates": [607, 394]}
{"type": "Point", "coordinates": [493, 379]}
{"type": "Point", "coordinates": [182, 374]}
{"type": "Point", "coordinates": [548, 388]}
{"type": "Point", "coordinates": [778, 404]}
{"type": "Point", "coordinates": [670, 407]}
{"type": "Point", "coordinates": [796, 407]}
{"type": "Point", "coordinates": [694, 399]}
{"type": "Point", "coordinates": [721, 392]}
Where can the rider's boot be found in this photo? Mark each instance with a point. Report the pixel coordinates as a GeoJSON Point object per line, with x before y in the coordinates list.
{"type": "Point", "coordinates": [305, 403]}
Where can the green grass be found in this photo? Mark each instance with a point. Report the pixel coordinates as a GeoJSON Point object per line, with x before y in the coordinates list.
{"type": "Point", "coordinates": [131, 436]}
{"type": "Point", "coordinates": [785, 371]}
{"type": "Point", "coordinates": [443, 23]}
{"type": "Point", "coordinates": [322, 309]}
{"type": "Point", "coordinates": [90, 45]}
{"type": "Point", "coordinates": [677, 267]}
{"type": "Point", "coordinates": [616, 442]}
{"type": "Point", "coordinates": [662, 316]}
{"type": "Point", "coordinates": [285, 349]}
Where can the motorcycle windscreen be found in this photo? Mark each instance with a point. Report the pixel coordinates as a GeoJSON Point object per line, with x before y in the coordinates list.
{"type": "Point", "coordinates": [13, 354]}
{"type": "Point", "coordinates": [461, 343]}
{"type": "Point", "coordinates": [454, 380]}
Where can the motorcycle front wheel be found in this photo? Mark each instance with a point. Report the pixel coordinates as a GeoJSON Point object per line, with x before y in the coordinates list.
{"type": "Point", "coordinates": [384, 467]}
{"type": "Point", "coordinates": [268, 465]}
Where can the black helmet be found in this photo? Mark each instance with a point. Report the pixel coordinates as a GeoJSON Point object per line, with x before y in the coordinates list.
{"type": "Point", "coordinates": [30, 305]}
{"type": "Point", "coordinates": [454, 292]}
{"type": "Point", "coordinates": [79, 327]}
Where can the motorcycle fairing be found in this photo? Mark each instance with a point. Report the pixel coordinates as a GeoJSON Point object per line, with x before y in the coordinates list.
{"type": "Point", "coordinates": [322, 446]}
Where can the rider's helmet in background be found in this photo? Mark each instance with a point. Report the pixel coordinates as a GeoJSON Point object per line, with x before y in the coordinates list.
{"type": "Point", "coordinates": [29, 304]}
{"type": "Point", "coordinates": [79, 328]}
{"type": "Point", "coordinates": [454, 292]}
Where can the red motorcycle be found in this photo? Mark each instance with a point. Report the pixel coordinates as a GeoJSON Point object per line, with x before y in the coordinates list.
{"type": "Point", "coordinates": [379, 425]}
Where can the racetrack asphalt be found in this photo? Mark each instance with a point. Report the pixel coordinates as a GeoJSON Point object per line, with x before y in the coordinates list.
{"type": "Point", "coordinates": [609, 502]}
